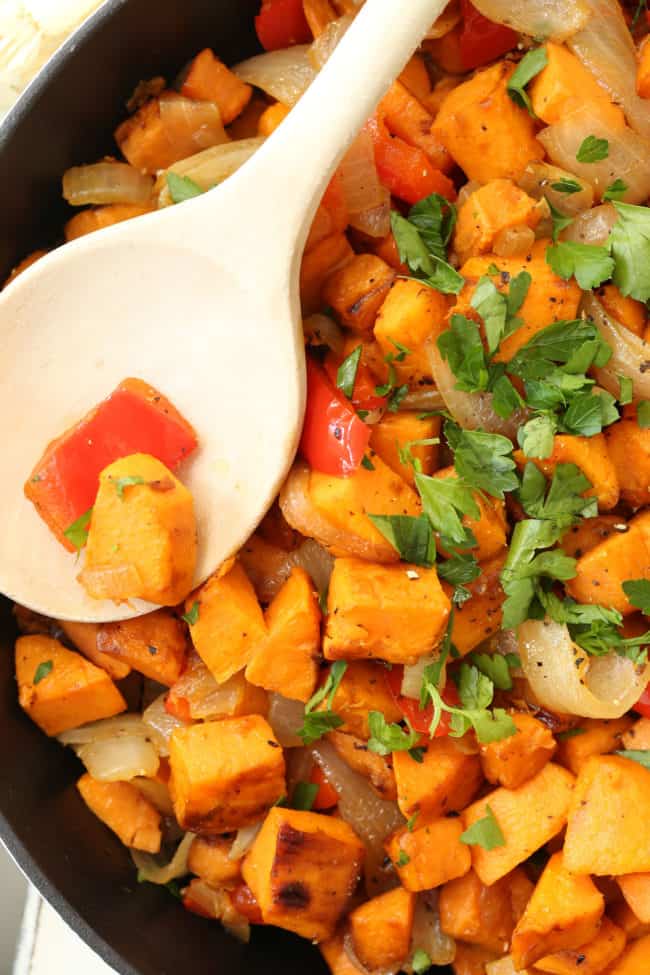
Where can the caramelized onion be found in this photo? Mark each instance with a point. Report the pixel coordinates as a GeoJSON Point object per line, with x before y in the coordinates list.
{"type": "Point", "coordinates": [285, 717]}
{"type": "Point", "coordinates": [191, 125]}
{"type": "Point", "coordinates": [284, 74]}
{"type": "Point", "coordinates": [210, 167]}
{"type": "Point", "coordinates": [427, 934]}
{"type": "Point", "coordinates": [630, 354]}
{"type": "Point", "coordinates": [119, 759]}
{"type": "Point", "coordinates": [367, 201]}
{"type": "Point", "coordinates": [160, 724]}
{"type": "Point", "coordinates": [538, 178]}
{"type": "Point", "coordinates": [326, 43]}
{"type": "Point", "coordinates": [446, 22]}
{"type": "Point", "coordinates": [106, 182]}
{"type": "Point", "coordinates": [153, 872]}
{"type": "Point", "coordinates": [593, 226]}
{"type": "Point", "coordinates": [549, 19]}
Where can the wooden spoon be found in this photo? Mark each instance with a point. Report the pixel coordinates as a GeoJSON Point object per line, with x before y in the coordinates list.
{"type": "Point", "coordinates": [200, 300]}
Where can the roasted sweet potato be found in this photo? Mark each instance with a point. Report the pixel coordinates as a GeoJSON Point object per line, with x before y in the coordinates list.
{"type": "Point", "coordinates": [601, 572]}
{"type": "Point", "coordinates": [590, 532]}
{"type": "Point", "coordinates": [337, 958]}
{"type": "Point", "coordinates": [597, 738]}
{"type": "Point", "coordinates": [24, 264]}
{"type": "Point", "coordinates": [362, 690]}
{"type": "Point", "coordinates": [565, 84]}
{"type": "Point", "coordinates": [416, 78]}
{"type": "Point", "coordinates": [497, 206]}
{"type": "Point", "coordinates": [629, 312]}
{"type": "Point", "coordinates": [142, 536]}
{"type": "Point", "coordinates": [396, 432]}
{"type": "Point", "coordinates": [625, 918]}
{"type": "Point", "coordinates": [429, 856]}
{"type": "Point", "coordinates": [591, 455]}
{"type": "Point", "coordinates": [303, 868]}
{"type": "Point", "coordinates": [643, 71]}
{"type": "Point", "coordinates": [154, 644]}
{"type": "Point", "coordinates": [225, 774]}
{"type": "Point", "coordinates": [97, 218]}
{"type": "Point", "coordinates": [84, 636]}
{"type": "Point", "coordinates": [589, 959]}
{"type": "Point", "coordinates": [471, 959]}
{"type": "Point", "coordinates": [409, 314]}
{"type": "Point", "coordinates": [381, 929]}
{"type": "Point", "coordinates": [629, 449]}
{"type": "Point", "coordinates": [528, 817]}
{"type": "Point", "coordinates": [318, 14]}
{"type": "Point", "coordinates": [209, 80]}
{"type": "Point", "coordinates": [634, 960]}
{"type": "Point", "coordinates": [480, 915]}
{"type": "Point", "coordinates": [512, 761]}
{"type": "Point", "coordinates": [197, 695]}
{"type": "Point", "coordinates": [59, 689]}
{"type": "Point", "coordinates": [271, 118]}
{"type": "Point", "coordinates": [396, 613]}
{"type": "Point", "coordinates": [357, 290]}
{"type": "Point", "coordinates": [637, 737]}
{"type": "Point", "coordinates": [405, 116]}
{"type": "Point", "coordinates": [444, 781]}
{"type": "Point", "coordinates": [317, 265]}
{"type": "Point", "coordinates": [480, 615]}
{"type": "Point", "coordinates": [636, 891]}
{"type": "Point", "coordinates": [564, 912]}
{"type": "Point", "coordinates": [209, 859]}
{"type": "Point", "coordinates": [124, 810]}
{"type": "Point", "coordinates": [377, 769]}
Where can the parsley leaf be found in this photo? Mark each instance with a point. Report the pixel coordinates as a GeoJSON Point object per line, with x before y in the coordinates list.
{"type": "Point", "coordinates": [505, 398]}
{"type": "Point", "coordinates": [484, 460]}
{"type": "Point", "coordinates": [367, 463]}
{"type": "Point", "coordinates": [319, 723]}
{"type": "Point", "coordinates": [588, 412]}
{"type": "Point", "coordinates": [564, 503]}
{"type": "Point", "coordinates": [403, 859]}
{"type": "Point", "coordinates": [459, 569]}
{"type": "Point", "coordinates": [537, 436]}
{"type": "Point", "coordinates": [182, 188]}
{"type": "Point", "coordinates": [123, 482]}
{"type": "Point", "coordinates": [435, 219]}
{"type": "Point", "coordinates": [497, 667]}
{"type": "Point", "coordinates": [588, 263]}
{"type": "Point", "coordinates": [41, 672]}
{"type": "Point", "coordinates": [421, 962]}
{"type": "Point", "coordinates": [386, 738]}
{"type": "Point", "coordinates": [625, 390]}
{"type": "Point", "coordinates": [629, 243]}
{"type": "Point", "coordinates": [560, 221]}
{"type": "Point", "coordinates": [476, 692]}
{"type": "Point", "coordinates": [642, 757]}
{"type": "Point", "coordinates": [498, 310]}
{"type": "Point", "coordinates": [462, 347]}
{"type": "Point", "coordinates": [445, 501]}
{"type": "Point", "coordinates": [643, 414]}
{"type": "Point", "coordinates": [638, 592]}
{"type": "Point", "coordinates": [593, 150]}
{"type": "Point", "coordinates": [304, 795]}
{"type": "Point", "coordinates": [567, 186]}
{"type": "Point", "coordinates": [425, 252]}
{"type": "Point", "coordinates": [530, 65]}
{"type": "Point", "coordinates": [77, 532]}
{"type": "Point", "coordinates": [485, 832]}
{"type": "Point", "coordinates": [411, 537]}
{"type": "Point", "coordinates": [615, 190]}
{"type": "Point", "coordinates": [192, 615]}
{"type": "Point", "coordinates": [524, 567]}
{"type": "Point", "coordinates": [347, 373]}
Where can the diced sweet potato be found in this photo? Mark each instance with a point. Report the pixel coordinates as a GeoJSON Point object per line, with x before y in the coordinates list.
{"type": "Point", "coordinates": [416, 78]}
{"type": "Point", "coordinates": [624, 917]}
{"type": "Point", "coordinates": [479, 115]}
{"type": "Point", "coordinates": [429, 856]}
{"type": "Point", "coordinates": [643, 71]}
{"type": "Point", "coordinates": [635, 888]}
{"type": "Point", "coordinates": [590, 532]}
{"type": "Point", "coordinates": [638, 736]}
{"type": "Point", "coordinates": [634, 960]}
{"type": "Point", "coordinates": [24, 264]}
{"type": "Point", "coordinates": [597, 738]}
{"type": "Point", "coordinates": [209, 859]}
{"type": "Point", "coordinates": [589, 959]}
{"type": "Point", "coordinates": [337, 958]}
{"type": "Point", "coordinates": [601, 572]}
{"type": "Point", "coordinates": [229, 623]}
{"type": "Point", "coordinates": [564, 912]}
{"type": "Point", "coordinates": [97, 218]}
{"type": "Point", "coordinates": [471, 959]}
{"type": "Point", "coordinates": [489, 210]}
{"type": "Point", "coordinates": [406, 117]}
{"type": "Point", "coordinates": [357, 290]}
{"type": "Point", "coordinates": [565, 84]}
{"type": "Point", "coordinates": [225, 774]}
{"type": "Point", "coordinates": [59, 689]}
{"type": "Point", "coordinates": [629, 449]}
{"type": "Point", "coordinates": [318, 14]}
{"type": "Point", "coordinates": [271, 118]}
{"type": "Point", "coordinates": [395, 613]}
{"type": "Point", "coordinates": [512, 761]}
{"type": "Point", "coordinates": [528, 817]}
{"type": "Point", "coordinates": [591, 455]}
{"type": "Point", "coordinates": [303, 868]}
{"type": "Point", "coordinates": [409, 315]}
{"type": "Point", "coordinates": [286, 661]}
{"type": "Point", "coordinates": [444, 781]}
{"type": "Point", "coordinates": [124, 810]}
{"type": "Point", "coordinates": [610, 801]}
{"type": "Point", "coordinates": [480, 615]}
{"type": "Point", "coordinates": [484, 916]}
{"type": "Point", "coordinates": [381, 929]}
{"type": "Point", "coordinates": [625, 310]}
{"type": "Point", "coordinates": [142, 536]}
{"type": "Point", "coordinates": [373, 767]}
{"type": "Point", "coordinates": [84, 637]}
{"type": "Point", "coordinates": [317, 265]}
{"type": "Point", "coordinates": [209, 80]}
{"type": "Point", "coordinates": [362, 690]}
{"type": "Point", "coordinates": [154, 644]}
{"type": "Point", "coordinates": [489, 529]}
{"type": "Point", "coordinates": [397, 431]}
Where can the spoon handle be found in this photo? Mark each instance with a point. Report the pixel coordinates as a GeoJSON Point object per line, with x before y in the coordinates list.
{"type": "Point", "coordinates": [287, 177]}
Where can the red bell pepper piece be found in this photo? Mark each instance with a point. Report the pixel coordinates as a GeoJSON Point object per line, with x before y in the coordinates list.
{"type": "Point", "coordinates": [243, 900]}
{"type": "Point", "coordinates": [406, 170]}
{"type": "Point", "coordinates": [334, 439]}
{"type": "Point", "coordinates": [136, 418]}
{"type": "Point", "coordinates": [282, 23]}
{"type": "Point", "coordinates": [327, 797]}
{"type": "Point", "coordinates": [178, 707]}
{"type": "Point", "coordinates": [481, 40]}
{"type": "Point", "coordinates": [642, 706]}
{"type": "Point", "coordinates": [420, 718]}
{"type": "Point", "coordinates": [364, 396]}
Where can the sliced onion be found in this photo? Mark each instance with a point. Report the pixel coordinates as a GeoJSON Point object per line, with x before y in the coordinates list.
{"type": "Point", "coordinates": [151, 870]}
{"type": "Point", "coordinates": [243, 841]}
{"type": "Point", "coordinates": [118, 582]}
{"type": "Point", "coordinates": [285, 717]}
{"type": "Point", "coordinates": [421, 399]}
{"type": "Point", "coordinates": [206, 698]}
{"type": "Point", "coordinates": [119, 759]}
{"type": "Point", "coordinates": [285, 74]}
{"type": "Point", "coordinates": [191, 125]}
{"type": "Point", "coordinates": [605, 46]}
{"type": "Point", "coordinates": [593, 226]}
{"type": "Point", "coordinates": [215, 903]}
{"type": "Point", "coordinates": [537, 181]}
{"type": "Point", "coordinates": [301, 514]}
{"type": "Point", "coordinates": [323, 330]}
{"type": "Point", "coordinates": [628, 157]}
{"type": "Point", "coordinates": [356, 963]}
{"type": "Point", "coordinates": [106, 182]}
{"type": "Point", "coordinates": [630, 354]}
{"type": "Point", "coordinates": [567, 680]}
{"type": "Point", "coordinates": [427, 934]}
{"type": "Point", "coordinates": [414, 675]}
{"type": "Point", "coordinates": [123, 726]}
{"type": "Point", "coordinates": [503, 966]}
{"type": "Point", "coordinates": [157, 793]}
{"type": "Point", "coordinates": [446, 22]}
{"type": "Point", "coordinates": [512, 241]}
{"type": "Point", "coordinates": [160, 724]}
{"type": "Point", "coordinates": [367, 201]}
{"type": "Point", "coordinates": [326, 43]}
{"type": "Point", "coordinates": [373, 819]}
{"type": "Point", "coordinates": [549, 19]}
{"type": "Point", "coordinates": [210, 167]}
{"type": "Point", "coordinates": [471, 410]}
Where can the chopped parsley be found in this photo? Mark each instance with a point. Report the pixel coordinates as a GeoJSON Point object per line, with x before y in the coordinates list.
{"type": "Point", "coordinates": [565, 185]}
{"type": "Point", "coordinates": [593, 150]}
{"type": "Point", "coordinates": [403, 859]}
{"type": "Point", "coordinates": [629, 243]}
{"type": "Point", "coordinates": [638, 592]}
{"type": "Point", "coordinates": [124, 482]}
{"type": "Point", "coordinates": [615, 190]}
{"type": "Point", "coordinates": [636, 755]}
{"type": "Point", "coordinates": [422, 241]}
{"type": "Point", "coordinates": [77, 532]}
{"type": "Point", "coordinates": [347, 373]}
{"type": "Point", "coordinates": [304, 796]}
{"type": "Point", "coordinates": [192, 615]}
{"type": "Point", "coordinates": [497, 667]}
{"type": "Point", "coordinates": [387, 738]}
{"type": "Point", "coordinates": [319, 723]}
{"type": "Point", "coordinates": [530, 65]}
{"type": "Point", "coordinates": [41, 672]}
{"type": "Point", "coordinates": [412, 537]}
{"type": "Point", "coordinates": [589, 264]}
{"type": "Point", "coordinates": [485, 832]}
{"type": "Point", "coordinates": [182, 188]}
{"type": "Point", "coordinates": [643, 414]}
{"type": "Point", "coordinates": [421, 962]}
{"type": "Point", "coordinates": [560, 221]}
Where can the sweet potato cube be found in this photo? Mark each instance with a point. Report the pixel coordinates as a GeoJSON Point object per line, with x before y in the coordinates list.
{"type": "Point", "coordinates": [124, 809]}
{"type": "Point", "coordinates": [635, 960]}
{"type": "Point", "coordinates": [489, 210]}
{"type": "Point", "coordinates": [154, 644]}
{"type": "Point", "coordinates": [286, 661]}
{"type": "Point", "coordinates": [396, 431]}
{"type": "Point", "coordinates": [566, 84]}
{"type": "Point", "coordinates": [84, 636]}
{"type": "Point", "coordinates": [490, 528]}
{"type": "Point", "coordinates": [318, 264]}
{"type": "Point", "coordinates": [624, 917]}
{"type": "Point", "coordinates": [529, 817]}
{"type": "Point", "coordinates": [429, 856]}
{"type": "Point", "coordinates": [591, 455]}
{"type": "Point", "coordinates": [303, 868]}
{"type": "Point", "coordinates": [407, 118]}
{"type": "Point", "coordinates": [225, 774]}
{"type": "Point", "coordinates": [197, 695]}
{"type": "Point", "coordinates": [478, 115]}
{"type": "Point", "coordinates": [589, 959]}
{"type": "Point", "coordinates": [59, 689]}
{"type": "Point", "coordinates": [337, 958]}
{"type": "Point", "coordinates": [601, 572]}
{"type": "Point", "coordinates": [363, 689]}
{"type": "Point", "coordinates": [97, 218]}
{"type": "Point", "coordinates": [381, 930]}
{"type": "Point", "coordinates": [597, 737]}
{"type": "Point", "coordinates": [142, 537]}
{"type": "Point", "coordinates": [357, 290]}
{"type": "Point", "coordinates": [637, 737]}
{"type": "Point", "coordinates": [480, 915]}
{"type": "Point", "coordinates": [564, 912]}
{"type": "Point", "coordinates": [375, 768]}
{"type": "Point", "coordinates": [610, 800]}
{"type": "Point", "coordinates": [445, 781]}
{"type": "Point", "coordinates": [589, 533]}
{"type": "Point", "coordinates": [229, 625]}
{"type": "Point", "coordinates": [209, 80]}
{"type": "Point", "coordinates": [396, 613]}
{"type": "Point", "coordinates": [409, 315]}
{"type": "Point", "coordinates": [629, 450]}
{"type": "Point", "coordinates": [643, 71]}
{"type": "Point", "coordinates": [480, 615]}
{"type": "Point", "coordinates": [635, 888]}
{"type": "Point", "coordinates": [472, 959]}
{"type": "Point", "coordinates": [512, 761]}
{"type": "Point", "coordinates": [209, 859]}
